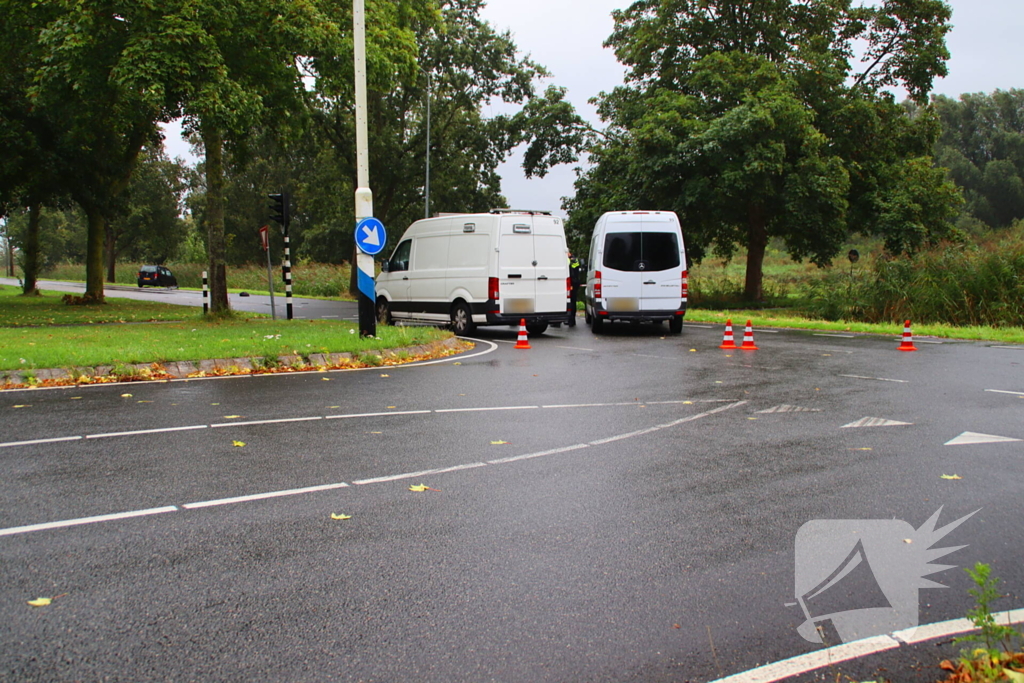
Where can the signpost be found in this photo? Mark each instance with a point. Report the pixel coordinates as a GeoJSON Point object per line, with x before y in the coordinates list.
{"type": "Point", "coordinates": [367, 286]}
{"type": "Point", "coordinates": [265, 243]}
{"type": "Point", "coordinates": [370, 236]}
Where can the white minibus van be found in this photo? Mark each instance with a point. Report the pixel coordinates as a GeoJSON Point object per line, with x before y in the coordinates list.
{"type": "Point", "coordinates": [492, 268]}
{"type": "Point", "coordinates": [637, 270]}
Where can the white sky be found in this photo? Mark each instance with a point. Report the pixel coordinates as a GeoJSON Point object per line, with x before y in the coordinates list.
{"type": "Point", "coordinates": [566, 37]}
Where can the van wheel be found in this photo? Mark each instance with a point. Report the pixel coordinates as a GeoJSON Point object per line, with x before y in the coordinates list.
{"type": "Point", "coordinates": [536, 329]}
{"type": "Point", "coordinates": [675, 324]}
{"type": "Point", "coordinates": [383, 311]}
{"type": "Point", "coordinates": [596, 322]}
{"type": "Point", "coordinates": [586, 315]}
{"type": "Point", "coordinates": [462, 319]}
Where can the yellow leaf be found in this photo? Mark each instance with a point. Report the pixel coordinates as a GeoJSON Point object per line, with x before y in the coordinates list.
{"type": "Point", "coordinates": [326, 379]}
{"type": "Point", "coordinates": [376, 432]}
{"type": "Point", "coordinates": [143, 401]}
{"type": "Point", "coordinates": [693, 350]}
{"type": "Point", "coordinates": [499, 443]}
{"type": "Point", "coordinates": [456, 363]}
{"type": "Point", "coordinates": [385, 375]}
{"type": "Point", "coordinates": [391, 407]}
{"type": "Point", "coordinates": [40, 602]}
{"type": "Point", "coordinates": [126, 395]}
{"type": "Point", "coordinates": [232, 417]}
{"type": "Point", "coordinates": [214, 404]}
{"type": "Point", "coordinates": [239, 444]}
{"type": "Point", "coordinates": [333, 406]}
{"type": "Point", "coordinates": [22, 405]}
{"type": "Point", "coordinates": [76, 398]}
{"type": "Point", "coordinates": [687, 403]}
{"type": "Point", "coordinates": [418, 487]}
{"type": "Point", "coordinates": [335, 516]}
{"type": "Point", "coordinates": [951, 476]}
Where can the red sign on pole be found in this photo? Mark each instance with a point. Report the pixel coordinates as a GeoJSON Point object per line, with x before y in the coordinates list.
{"type": "Point", "coordinates": [265, 238]}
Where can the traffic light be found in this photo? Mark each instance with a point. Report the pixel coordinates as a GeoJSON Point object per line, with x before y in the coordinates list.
{"type": "Point", "coordinates": [279, 209]}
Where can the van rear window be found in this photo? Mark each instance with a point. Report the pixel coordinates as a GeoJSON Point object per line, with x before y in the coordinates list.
{"type": "Point", "coordinates": [641, 251]}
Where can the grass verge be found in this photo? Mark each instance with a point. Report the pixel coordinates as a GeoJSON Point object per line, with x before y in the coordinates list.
{"type": "Point", "coordinates": [35, 343]}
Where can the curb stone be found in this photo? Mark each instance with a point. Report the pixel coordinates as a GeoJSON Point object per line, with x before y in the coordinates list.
{"type": "Point", "coordinates": [23, 379]}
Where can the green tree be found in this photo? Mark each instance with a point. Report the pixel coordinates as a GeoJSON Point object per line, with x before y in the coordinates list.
{"type": "Point", "coordinates": [753, 121]}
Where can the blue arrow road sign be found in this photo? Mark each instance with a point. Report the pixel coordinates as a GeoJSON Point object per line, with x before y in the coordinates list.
{"type": "Point", "coordinates": [370, 236]}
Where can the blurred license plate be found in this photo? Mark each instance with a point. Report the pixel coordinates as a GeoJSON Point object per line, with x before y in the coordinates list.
{"type": "Point", "coordinates": [623, 304]}
{"type": "Point", "coordinates": [519, 305]}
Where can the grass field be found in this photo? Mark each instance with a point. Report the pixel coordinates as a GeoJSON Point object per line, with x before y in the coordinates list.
{"type": "Point", "coordinates": [103, 335]}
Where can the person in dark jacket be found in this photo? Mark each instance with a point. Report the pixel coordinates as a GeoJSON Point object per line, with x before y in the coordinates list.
{"type": "Point", "coordinates": [577, 271]}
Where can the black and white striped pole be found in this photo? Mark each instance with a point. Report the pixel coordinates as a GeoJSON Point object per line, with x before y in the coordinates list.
{"type": "Point", "coordinates": [287, 267]}
{"type": "Point", "coordinates": [206, 294]}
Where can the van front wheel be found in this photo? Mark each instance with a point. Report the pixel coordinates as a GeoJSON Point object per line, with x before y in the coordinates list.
{"type": "Point", "coordinates": [383, 312]}
{"type": "Point", "coordinates": [462, 319]}
{"type": "Point", "coordinates": [675, 324]}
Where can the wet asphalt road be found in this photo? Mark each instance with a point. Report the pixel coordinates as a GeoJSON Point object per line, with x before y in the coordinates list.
{"type": "Point", "coordinates": [654, 544]}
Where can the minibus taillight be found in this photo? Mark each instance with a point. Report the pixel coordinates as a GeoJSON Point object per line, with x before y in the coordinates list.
{"type": "Point", "coordinates": [597, 284]}
{"type": "Point", "coordinates": [686, 284]}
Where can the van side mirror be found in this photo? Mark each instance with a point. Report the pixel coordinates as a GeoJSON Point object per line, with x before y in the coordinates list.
{"type": "Point", "coordinates": [385, 265]}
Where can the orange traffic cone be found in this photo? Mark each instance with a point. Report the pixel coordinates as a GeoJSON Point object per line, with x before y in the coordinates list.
{"type": "Point", "coordinates": [522, 342]}
{"type": "Point", "coordinates": [748, 339]}
{"type": "Point", "coordinates": [727, 341]}
{"type": "Point", "coordinates": [907, 344]}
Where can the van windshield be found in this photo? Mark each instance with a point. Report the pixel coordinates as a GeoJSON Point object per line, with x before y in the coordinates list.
{"type": "Point", "coordinates": [641, 251]}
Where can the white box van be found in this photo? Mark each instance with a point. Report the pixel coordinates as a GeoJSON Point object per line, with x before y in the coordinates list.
{"type": "Point", "coordinates": [478, 269]}
{"type": "Point", "coordinates": [637, 269]}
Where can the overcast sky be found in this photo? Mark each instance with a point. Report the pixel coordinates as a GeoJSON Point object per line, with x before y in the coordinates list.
{"type": "Point", "coordinates": [566, 37]}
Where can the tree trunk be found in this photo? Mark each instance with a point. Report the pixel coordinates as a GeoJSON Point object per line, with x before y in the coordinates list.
{"type": "Point", "coordinates": [216, 246]}
{"type": "Point", "coordinates": [94, 252]}
{"type": "Point", "coordinates": [110, 255]}
{"type": "Point", "coordinates": [757, 242]}
{"type": "Point", "coordinates": [30, 260]}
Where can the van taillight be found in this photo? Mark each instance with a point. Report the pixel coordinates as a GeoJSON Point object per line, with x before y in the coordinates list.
{"type": "Point", "coordinates": [568, 288]}
{"type": "Point", "coordinates": [597, 284]}
{"type": "Point", "coordinates": [493, 293]}
{"type": "Point", "coordinates": [686, 284]}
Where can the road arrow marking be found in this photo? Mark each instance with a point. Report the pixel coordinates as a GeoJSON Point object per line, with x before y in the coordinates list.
{"type": "Point", "coordinates": [784, 408]}
{"type": "Point", "coordinates": [875, 422]}
{"type": "Point", "coordinates": [974, 437]}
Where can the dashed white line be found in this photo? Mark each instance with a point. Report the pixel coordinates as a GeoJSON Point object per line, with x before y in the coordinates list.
{"type": "Point", "coordinates": [144, 431]}
{"type": "Point", "coordinates": [484, 410]}
{"type": "Point", "coordinates": [39, 441]}
{"type": "Point", "coordinates": [262, 496]}
{"type": "Point", "coordinates": [391, 412]}
{"type": "Point", "coordinates": [421, 473]}
{"type": "Point", "coordinates": [1012, 348]}
{"type": "Point", "coordinates": [540, 454]}
{"type": "Point", "coordinates": [1000, 391]}
{"type": "Point", "coordinates": [590, 405]}
{"type": "Point", "coordinates": [877, 379]}
{"type": "Point", "coordinates": [840, 336]}
{"type": "Point", "coordinates": [573, 348]}
{"type": "Point", "coordinates": [265, 422]}
{"type": "Point", "coordinates": [86, 520]}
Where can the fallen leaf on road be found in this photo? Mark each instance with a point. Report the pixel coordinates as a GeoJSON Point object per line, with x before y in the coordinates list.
{"type": "Point", "coordinates": [22, 405]}
{"type": "Point", "coordinates": [687, 403]}
{"type": "Point", "coordinates": [126, 395]}
{"type": "Point", "coordinates": [232, 417]}
{"type": "Point", "coordinates": [456, 363]}
{"type": "Point", "coordinates": [947, 665]}
{"type": "Point", "coordinates": [391, 407]}
{"type": "Point", "coordinates": [376, 432]}
{"type": "Point", "coordinates": [334, 516]}
{"type": "Point", "coordinates": [333, 406]}
{"type": "Point", "coordinates": [143, 401]}
{"type": "Point", "coordinates": [40, 602]}
{"type": "Point", "coordinates": [500, 443]}
{"type": "Point", "coordinates": [238, 444]}
{"type": "Point", "coordinates": [693, 350]}
{"type": "Point", "coordinates": [76, 398]}
{"type": "Point", "coordinates": [951, 476]}
{"type": "Point", "coordinates": [383, 375]}
{"type": "Point", "coordinates": [214, 404]}
{"type": "Point", "coordinates": [421, 487]}
{"type": "Point", "coordinates": [859, 449]}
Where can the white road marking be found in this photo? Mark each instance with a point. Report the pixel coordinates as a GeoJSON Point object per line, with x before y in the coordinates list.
{"type": "Point", "coordinates": [813, 660]}
{"type": "Point", "coordinates": [968, 438]}
{"type": "Point", "coordinates": [801, 664]}
{"type": "Point", "coordinates": [1012, 348]}
{"type": "Point", "coordinates": [540, 454]}
{"type": "Point", "coordinates": [86, 520]}
{"type": "Point", "coordinates": [483, 410]}
{"type": "Point", "coordinates": [703, 327]}
{"type": "Point", "coordinates": [145, 431]}
{"type": "Point", "coordinates": [38, 441]}
{"type": "Point", "coordinates": [785, 408]}
{"type": "Point", "coordinates": [262, 496]}
{"type": "Point", "coordinates": [879, 379]}
{"type": "Point", "coordinates": [417, 475]}
{"type": "Point", "coordinates": [326, 487]}
{"type": "Point", "coordinates": [265, 422]}
{"type": "Point", "coordinates": [573, 348]}
{"type": "Point", "coordinates": [841, 336]}
{"type": "Point", "coordinates": [875, 422]}
{"type": "Point", "coordinates": [392, 412]}
{"type": "Point", "coordinates": [999, 391]}
{"type": "Point", "coordinates": [506, 341]}
{"type": "Point", "coordinates": [589, 405]}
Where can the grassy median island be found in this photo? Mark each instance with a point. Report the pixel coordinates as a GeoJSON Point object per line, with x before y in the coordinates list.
{"type": "Point", "coordinates": [42, 333]}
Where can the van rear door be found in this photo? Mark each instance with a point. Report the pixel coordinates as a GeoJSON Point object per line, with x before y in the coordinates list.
{"type": "Point", "coordinates": [642, 263]}
{"type": "Point", "coordinates": [552, 257]}
{"type": "Point", "coordinates": [517, 266]}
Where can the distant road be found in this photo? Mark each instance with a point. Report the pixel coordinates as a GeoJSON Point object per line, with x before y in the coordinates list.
{"type": "Point", "coordinates": [257, 303]}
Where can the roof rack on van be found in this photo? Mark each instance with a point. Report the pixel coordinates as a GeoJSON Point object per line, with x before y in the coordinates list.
{"type": "Point", "coordinates": [527, 211]}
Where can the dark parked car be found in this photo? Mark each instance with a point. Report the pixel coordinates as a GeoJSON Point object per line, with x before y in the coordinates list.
{"type": "Point", "coordinates": [156, 276]}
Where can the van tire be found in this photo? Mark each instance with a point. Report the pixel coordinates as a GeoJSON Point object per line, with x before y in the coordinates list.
{"type": "Point", "coordinates": [596, 323]}
{"type": "Point", "coordinates": [536, 329]}
{"type": "Point", "coordinates": [675, 324]}
{"type": "Point", "coordinates": [461, 318]}
{"type": "Point", "coordinates": [383, 311]}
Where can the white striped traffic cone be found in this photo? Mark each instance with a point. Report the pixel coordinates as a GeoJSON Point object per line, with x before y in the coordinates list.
{"type": "Point", "coordinates": [522, 342]}
{"type": "Point", "coordinates": [727, 341]}
{"type": "Point", "coordinates": [907, 343]}
{"type": "Point", "coordinates": [748, 339]}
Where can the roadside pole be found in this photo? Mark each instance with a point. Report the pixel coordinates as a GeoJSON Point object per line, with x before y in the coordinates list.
{"type": "Point", "coordinates": [287, 276]}
{"type": "Point", "coordinates": [265, 243]}
{"type": "Point", "coordinates": [364, 197]}
{"type": "Point", "coordinates": [206, 294]}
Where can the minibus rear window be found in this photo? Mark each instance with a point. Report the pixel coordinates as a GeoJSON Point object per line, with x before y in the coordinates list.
{"type": "Point", "coordinates": [641, 251]}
